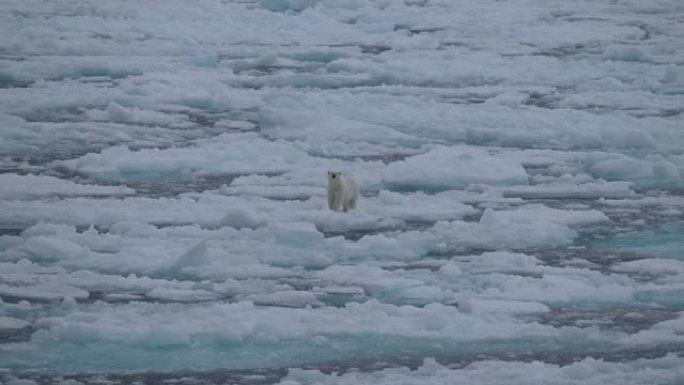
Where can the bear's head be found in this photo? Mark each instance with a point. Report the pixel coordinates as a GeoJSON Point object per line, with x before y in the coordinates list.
{"type": "Point", "coordinates": [334, 176]}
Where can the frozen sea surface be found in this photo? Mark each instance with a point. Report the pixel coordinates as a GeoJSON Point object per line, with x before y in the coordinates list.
{"type": "Point", "coordinates": [163, 214]}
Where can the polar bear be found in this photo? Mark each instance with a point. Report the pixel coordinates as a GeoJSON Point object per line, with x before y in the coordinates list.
{"type": "Point", "coordinates": [343, 192]}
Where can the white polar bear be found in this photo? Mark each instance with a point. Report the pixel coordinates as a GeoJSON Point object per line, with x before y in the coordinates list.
{"type": "Point", "coordinates": [343, 192]}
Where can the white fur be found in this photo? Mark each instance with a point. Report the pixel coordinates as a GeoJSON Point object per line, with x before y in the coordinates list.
{"type": "Point", "coordinates": [343, 192]}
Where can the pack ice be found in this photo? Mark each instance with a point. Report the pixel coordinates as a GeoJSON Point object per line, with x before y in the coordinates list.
{"type": "Point", "coordinates": [163, 210]}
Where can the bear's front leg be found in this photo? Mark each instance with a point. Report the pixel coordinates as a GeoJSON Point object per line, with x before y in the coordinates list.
{"type": "Point", "coordinates": [331, 201]}
{"type": "Point", "coordinates": [335, 201]}
{"type": "Point", "coordinates": [338, 203]}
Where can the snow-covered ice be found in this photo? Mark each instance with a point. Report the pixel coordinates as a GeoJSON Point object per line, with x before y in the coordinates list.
{"type": "Point", "coordinates": [163, 213]}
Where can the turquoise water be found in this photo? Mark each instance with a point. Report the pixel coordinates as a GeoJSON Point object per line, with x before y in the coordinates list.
{"type": "Point", "coordinates": [662, 242]}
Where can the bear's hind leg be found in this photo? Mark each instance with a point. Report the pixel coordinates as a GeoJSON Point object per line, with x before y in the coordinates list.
{"type": "Point", "coordinates": [352, 202]}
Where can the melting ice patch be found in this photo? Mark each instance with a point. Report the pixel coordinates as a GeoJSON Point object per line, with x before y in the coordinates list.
{"type": "Point", "coordinates": [665, 242]}
{"type": "Point", "coordinates": [286, 5]}
{"type": "Point", "coordinates": [559, 190]}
